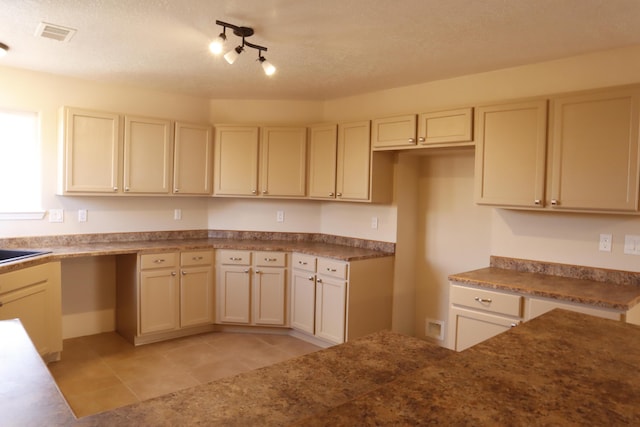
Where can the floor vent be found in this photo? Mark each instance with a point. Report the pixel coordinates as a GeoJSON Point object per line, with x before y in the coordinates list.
{"type": "Point", "coordinates": [55, 32]}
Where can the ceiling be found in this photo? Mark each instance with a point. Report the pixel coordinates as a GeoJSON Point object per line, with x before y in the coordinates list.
{"type": "Point", "coordinates": [323, 49]}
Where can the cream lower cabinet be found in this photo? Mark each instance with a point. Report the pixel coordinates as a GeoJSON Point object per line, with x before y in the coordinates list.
{"type": "Point", "coordinates": [251, 288]}
{"type": "Point", "coordinates": [478, 314]}
{"type": "Point", "coordinates": [33, 295]}
{"type": "Point", "coordinates": [335, 301]}
{"type": "Point", "coordinates": [164, 295]}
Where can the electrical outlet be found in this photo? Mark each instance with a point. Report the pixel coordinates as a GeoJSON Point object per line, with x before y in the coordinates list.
{"type": "Point", "coordinates": [632, 244]}
{"type": "Point", "coordinates": [605, 243]}
{"type": "Point", "coordinates": [82, 215]}
{"type": "Point", "coordinates": [56, 215]}
{"type": "Point", "coordinates": [374, 222]}
{"type": "Point", "coordinates": [177, 214]}
{"type": "Point", "coordinates": [280, 216]}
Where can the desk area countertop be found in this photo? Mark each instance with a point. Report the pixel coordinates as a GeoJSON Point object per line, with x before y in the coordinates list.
{"type": "Point", "coordinates": [560, 368]}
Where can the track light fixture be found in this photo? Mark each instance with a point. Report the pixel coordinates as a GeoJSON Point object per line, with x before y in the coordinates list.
{"type": "Point", "coordinates": [216, 46]}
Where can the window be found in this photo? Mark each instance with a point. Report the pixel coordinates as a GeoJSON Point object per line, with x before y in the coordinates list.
{"type": "Point", "coordinates": [20, 164]}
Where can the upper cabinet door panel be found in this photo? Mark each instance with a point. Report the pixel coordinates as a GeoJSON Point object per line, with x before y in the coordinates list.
{"type": "Point", "coordinates": [92, 147]}
{"type": "Point", "coordinates": [284, 161]}
{"type": "Point", "coordinates": [236, 161]}
{"type": "Point", "coordinates": [354, 160]}
{"type": "Point", "coordinates": [594, 157]}
{"type": "Point", "coordinates": [193, 159]}
{"type": "Point", "coordinates": [148, 154]}
{"type": "Point", "coordinates": [322, 161]}
{"type": "Point", "coordinates": [397, 132]}
{"type": "Point", "coordinates": [510, 154]}
{"type": "Point", "coordinates": [443, 127]}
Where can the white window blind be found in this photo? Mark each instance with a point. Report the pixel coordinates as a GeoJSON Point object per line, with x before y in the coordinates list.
{"type": "Point", "coordinates": [20, 164]}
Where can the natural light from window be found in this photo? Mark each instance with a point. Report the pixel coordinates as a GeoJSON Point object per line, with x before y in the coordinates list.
{"type": "Point", "coordinates": [20, 163]}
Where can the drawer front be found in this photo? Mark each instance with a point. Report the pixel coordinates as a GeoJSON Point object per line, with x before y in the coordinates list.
{"type": "Point", "coordinates": [333, 268]}
{"type": "Point", "coordinates": [270, 259]}
{"type": "Point", "coordinates": [229, 257]}
{"type": "Point", "coordinates": [495, 302]}
{"type": "Point", "coordinates": [196, 258]}
{"type": "Point", "coordinates": [304, 262]}
{"type": "Point", "coordinates": [161, 260]}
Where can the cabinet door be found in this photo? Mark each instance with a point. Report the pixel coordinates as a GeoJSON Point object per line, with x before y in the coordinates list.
{"type": "Point", "coordinates": [92, 147]}
{"type": "Point", "coordinates": [511, 154]}
{"type": "Point", "coordinates": [159, 301]}
{"type": "Point", "coordinates": [394, 132]}
{"type": "Point", "coordinates": [472, 327]}
{"type": "Point", "coordinates": [233, 295]}
{"type": "Point", "coordinates": [284, 162]}
{"type": "Point", "coordinates": [29, 304]}
{"type": "Point", "coordinates": [269, 296]}
{"type": "Point", "coordinates": [322, 161]}
{"type": "Point", "coordinates": [354, 160]}
{"type": "Point", "coordinates": [196, 296]}
{"type": "Point", "coordinates": [303, 301]}
{"type": "Point", "coordinates": [148, 153]}
{"type": "Point", "coordinates": [445, 127]}
{"type": "Point", "coordinates": [594, 151]}
{"type": "Point", "coordinates": [331, 305]}
{"type": "Point", "coordinates": [236, 161]}
{"type": "Point", "coordinates": [193, 159]}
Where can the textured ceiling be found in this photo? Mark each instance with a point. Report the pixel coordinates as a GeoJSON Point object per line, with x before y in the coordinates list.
{"type": "Point", "coordinates": [323, 49]}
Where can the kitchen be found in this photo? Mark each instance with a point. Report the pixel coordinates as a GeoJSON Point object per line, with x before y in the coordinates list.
{"type": "Point", "coordinates": [453, 233]}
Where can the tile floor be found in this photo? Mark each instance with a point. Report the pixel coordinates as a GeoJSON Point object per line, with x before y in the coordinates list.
{"type": "Point", "coordinates": [102, 372]}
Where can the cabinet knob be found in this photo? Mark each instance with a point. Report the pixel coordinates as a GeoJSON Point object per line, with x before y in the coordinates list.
{"type": "Point", "coordinates": [176, 190]}
{"type": "Point", "coordinates": [421, 139]}
{"type": "Point", "coordinates": [412, 140]}
{"type": "Point", "coordinates": [197, 258]}
{"type": "Point", "coordinates": [115, 188]}
{"type": "Point", "coordinates": [158, 261]}
{"type": "Point", "coordinates": [554, 202]}
{"type": "Point", "coordinates": [483, 300]}
{"type": "Point", "coordinates": [537, 202]}
{"type": "Point", "coordinates": [126, 188]}
{"type": "Point", "coordinates": [264, 191]}
{"type": "Point", "coordinates": [331, 194]}
{"type": "Point", "coordinates": [339, 194]}
{"type": "Point", "coordinates": [310, 278]}
{"type": "Point", "coordinates": [254, 192]}
{"type": "Point", "coordinates": [233, 258]}
{"type": "Point", "coordinates": [258, 271]}
{"type": "Point", "coordinates": [173, 273]}
{"type": "Point", "coordinates": [513, 325]}
{"type": "Point", "coordinates": [246, 270]}
{"type": "Point", "coordinates": [302, 262]}
{"type": "Point", "coordinates": [332, 270]}
{"type": "Point", "coordinates": [271, 259]}
{"type": "Point", "coordinates": [184, 273]}
{"type": "Point", "coordinates": [319, 280]}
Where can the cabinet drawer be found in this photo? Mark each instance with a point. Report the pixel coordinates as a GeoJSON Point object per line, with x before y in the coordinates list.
{"type": "Point", "coordinates": [270, 259]}
{"type": "Point", "coordinates": [196, 258]}
{"type": "Point", "coordinates": [304, 262]}
{"type": "Point", "coordinates": [162, 260]}
{"type": "Point", "coordinates": [495, 302]}
{"type": "Point", "coordinates": [234, 257]}
{"type": "Point", "coordinates": [332, 268]}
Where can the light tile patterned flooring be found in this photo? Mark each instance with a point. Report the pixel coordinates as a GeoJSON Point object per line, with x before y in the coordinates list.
{"type": "Point", "coordinates": [104, 371]}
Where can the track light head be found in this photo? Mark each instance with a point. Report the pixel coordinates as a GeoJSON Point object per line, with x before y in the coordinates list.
{"type": "Point", "coordinates": [3, 49]}
{"type": "Point", "coordinates": [268, 68]}
{"type": "Point", "coordinates": [233, 54]}
{"type": "Point", "coordinates": [216, 46]}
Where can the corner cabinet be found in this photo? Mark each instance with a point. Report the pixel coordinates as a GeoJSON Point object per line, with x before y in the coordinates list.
{"type": "Point", "coordinates": [164, 295]}
{"type": "Point", "coordinates": [587, 160]}
{"type": "Point", "coordinates": [108, 154]}
{"type": "Point", "coordinates": [33, 295]}
{"type": "Point", "coordinates": [267, 162]}
{"type": "Point", "coordinates": [333, 301]}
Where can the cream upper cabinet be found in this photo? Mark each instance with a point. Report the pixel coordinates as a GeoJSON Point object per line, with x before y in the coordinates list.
{"type": "Point", "coordinates": [594, 150]}
{"type": "Point", "coordinates": [446, 128]}
{"type": "Point", "coordinates": [148, 155]}
{"type": "Point", "coordinates": [279, 153]}
{"type": "Point", "coordinates": [510, 153]}
{"type": "Point", "coordinates": [283, 165]}
{"type": "Point", "coordinates": [353, 161]}
{"type": "Point", "coordinates": [397, 132]}
{"type": "Point", "coordinates": [322, 161]}
{"type": "Point", "coordinates": [193, 159]}
{"type": "Point", "coordinates": [92, 148]}
{"type": "Point", "coordinates": [236, 161]}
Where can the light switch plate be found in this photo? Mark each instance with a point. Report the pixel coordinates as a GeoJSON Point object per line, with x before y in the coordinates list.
{"type": "Point", "coordinates": [632, 244]}
{"type": "Point", "coordinates": [56, 215]}
{"type": "Point", "coordinates": [280, 216]}
{"type": "Point", "coordinates": [82, 215]}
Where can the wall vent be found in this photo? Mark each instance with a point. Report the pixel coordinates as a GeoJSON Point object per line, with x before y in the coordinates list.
{"type": "Point", "coordinates": [55, 32]}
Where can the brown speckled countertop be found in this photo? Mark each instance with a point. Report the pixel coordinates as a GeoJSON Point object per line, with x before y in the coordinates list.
{"type": "Point", "coordinates": [619, 290]}
{"type": "Point", "coordinates": [562, 368]}
{"type": "Point", "coordinates": [70, 246]}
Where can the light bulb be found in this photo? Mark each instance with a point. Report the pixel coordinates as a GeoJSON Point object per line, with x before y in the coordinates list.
{"type": "Point", "coordinates": [216, 46]}
{"type": "Point", "coordinates": [268, 68]}
{"type": "Point", "coordinates": [232, 55]}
